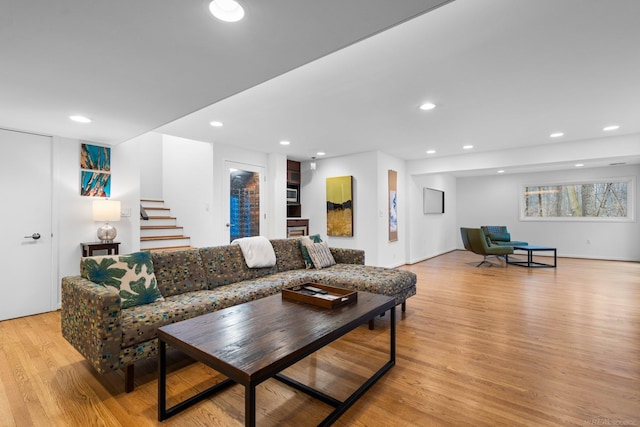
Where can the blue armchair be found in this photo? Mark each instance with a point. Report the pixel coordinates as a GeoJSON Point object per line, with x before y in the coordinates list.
{"type": "Point", "coordinates": [500, 236]}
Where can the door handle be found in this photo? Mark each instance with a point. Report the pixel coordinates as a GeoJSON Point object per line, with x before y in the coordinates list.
{"type": "Point", "coordinates": [34, 236]}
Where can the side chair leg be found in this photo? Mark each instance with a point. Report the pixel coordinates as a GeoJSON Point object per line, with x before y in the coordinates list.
{"type": "Point", "coordinates": [483, 261]}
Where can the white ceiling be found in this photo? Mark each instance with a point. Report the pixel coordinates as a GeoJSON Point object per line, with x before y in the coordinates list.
{"type": "Point", "coordinates": [503, 73]}
{"type": "Point", "coordinates": [132, 66]}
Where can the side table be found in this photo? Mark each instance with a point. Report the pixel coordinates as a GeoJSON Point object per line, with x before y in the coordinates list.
{"type": "Point", "coordinates": [530, 262]}
{"type": "Point", "coordinates": [90, 247]}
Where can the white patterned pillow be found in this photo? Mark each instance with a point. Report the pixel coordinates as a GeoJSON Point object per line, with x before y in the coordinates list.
{"type": "Point", "coordinates": [130, 276]}
{"type": "Point", "coordinates": [304, 242]}
{"type": "Point", "coordinates": [321, 255]}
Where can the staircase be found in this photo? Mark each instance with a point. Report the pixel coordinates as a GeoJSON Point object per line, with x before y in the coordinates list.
{"type": "Point", "coordinates": [160, 232]}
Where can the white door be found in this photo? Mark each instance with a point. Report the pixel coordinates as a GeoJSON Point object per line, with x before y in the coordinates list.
{"type": "Point", "coordinates": [26, 284]}
{"type": "Point", "coordinates": [244, 203]}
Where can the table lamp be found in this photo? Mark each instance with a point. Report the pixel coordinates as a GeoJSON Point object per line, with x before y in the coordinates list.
{"type": "Point", "coordinates": [106, 210]}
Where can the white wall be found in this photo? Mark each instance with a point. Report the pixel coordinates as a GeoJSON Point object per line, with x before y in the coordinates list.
{"type": "Point", "coordinates": [371, 199]}
{"type": "Point", "coordinates": [432, 234]}
{"type": "Point", "coordinates": [277, 194]}
{"type": "Point", "coordinates": [75, 224]}
{"type": "Point", "coordinates": [493, 200]}
{"type": "Point", "coordinates": [365, 198]}
{"type": "Point", "coordinates": [150, 165]}
{"type": "Point", "coordinates": [73, 212]}
{"type": "Point", "coordinates": [191, 177]}
{"type": "Point", "coordinates": [125, 186]}
{"type": "Point", "coordinates": [187, 184]}
{"type": "Point", "coordinates": [392, 254]}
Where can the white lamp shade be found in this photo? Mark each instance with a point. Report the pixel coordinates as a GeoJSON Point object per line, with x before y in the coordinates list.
{"type": "Point", "coordinates": [106, 210]}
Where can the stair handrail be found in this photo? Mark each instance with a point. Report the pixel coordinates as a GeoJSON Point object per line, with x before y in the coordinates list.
{"type": "Point", "coordinates": [143, 213]}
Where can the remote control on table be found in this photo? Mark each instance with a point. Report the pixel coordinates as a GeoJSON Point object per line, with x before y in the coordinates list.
{"type": "Point", "coordinates": [317, 290]}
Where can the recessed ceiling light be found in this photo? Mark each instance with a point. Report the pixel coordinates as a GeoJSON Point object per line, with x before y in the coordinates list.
{"type": "Point", "coordinates": [579, 165]}
{"type": "Point", "coordinates": [284, 143]}
{"type": "Point", "coordinates": [467, 147]}
{"type": "Point", "coordinates": [80, 119]}
{"type": "Point", "coordinates": [608, 128]}
{"type": "Point", "coordinates": [320, 153]}
{"type": "Point", "coordinates": [428, 106]}
{"type": "Point", "coordinates": [500, 171]}
{"type": "Point", "coordinates": [431, 151]}
{"type": "Point", "coordinates": [216, 124]}
{"type": "Point", "coordinates": [226, 10]}
{"type": "Point", "coordinates": [556, 135]}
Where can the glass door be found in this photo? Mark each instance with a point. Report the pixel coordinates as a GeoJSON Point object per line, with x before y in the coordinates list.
{"type": "Point", "coordinates": [245, 201]}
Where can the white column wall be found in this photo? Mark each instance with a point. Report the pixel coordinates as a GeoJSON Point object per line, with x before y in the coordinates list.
{"type": "Point", "coordinates": [432, 234]}
{"type": "Point", "coordinates": [365, 197]}
{"type": "Point", "coordinates": [150, 166]}
{"type": "Point", "coordinates": [276, 192]}
{"type": "Point", "coordinates": [187, 183]}
{"type": "Point", "coordinates": [392, 254]}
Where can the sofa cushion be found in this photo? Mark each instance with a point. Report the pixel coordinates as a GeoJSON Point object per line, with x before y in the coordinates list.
{"type": "Point", "coordinates": [141, 323]}
{"type": "Point", "coordinates": [225, 265]}
{"type": "Point", "coordinates": [249, 290]}
{"type": "Point", "coordinates": [178, 272]}
{"type": "Point", "coordinates": [288, 254]}
{"type": "Point", "coordinates": [320, 255]}
{"type": "Point", "coordinates": [130, 276]}
{"type": "Point", "coordinates": [377, 280]}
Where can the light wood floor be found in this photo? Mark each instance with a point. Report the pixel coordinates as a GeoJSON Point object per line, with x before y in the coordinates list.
{"type": "Point", "coordinates": [488, 346]}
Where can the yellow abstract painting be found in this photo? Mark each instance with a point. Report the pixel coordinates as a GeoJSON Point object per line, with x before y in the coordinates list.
{"type": "Point", "coordinates": [340, 206]}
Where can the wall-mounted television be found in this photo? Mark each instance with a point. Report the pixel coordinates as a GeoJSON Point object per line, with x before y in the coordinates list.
{"type": "Point", "coordinates": [433, 201]}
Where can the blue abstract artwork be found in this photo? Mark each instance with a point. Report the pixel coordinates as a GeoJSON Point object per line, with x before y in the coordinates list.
{"type": "Point", "coordinates": [95, 174]}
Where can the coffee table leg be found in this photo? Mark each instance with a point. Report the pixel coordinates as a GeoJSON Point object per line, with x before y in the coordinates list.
{"type": "Point", "coordinates": [392, 343]}
{"type": "Point", "coordinates": [162, 381]}
{"type": "Point", "coordinates": [250, 405]}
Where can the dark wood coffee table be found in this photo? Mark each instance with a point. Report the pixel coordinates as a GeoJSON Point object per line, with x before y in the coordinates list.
{"type": "Point", "coordinates": [255, 341]}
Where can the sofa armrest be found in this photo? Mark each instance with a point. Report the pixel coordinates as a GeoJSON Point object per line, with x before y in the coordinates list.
{"type": "Point", "coordinates": [91, 321]}
{"type": "Point", "coordinates": [348, 256]}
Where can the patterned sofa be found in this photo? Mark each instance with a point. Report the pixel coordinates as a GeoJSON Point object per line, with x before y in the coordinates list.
{"type": "Point", "coordinates": [197, 281]}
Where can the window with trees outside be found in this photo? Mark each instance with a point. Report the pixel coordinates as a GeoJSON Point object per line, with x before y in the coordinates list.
{"type": "Point", "coordinates": [606, 200]}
